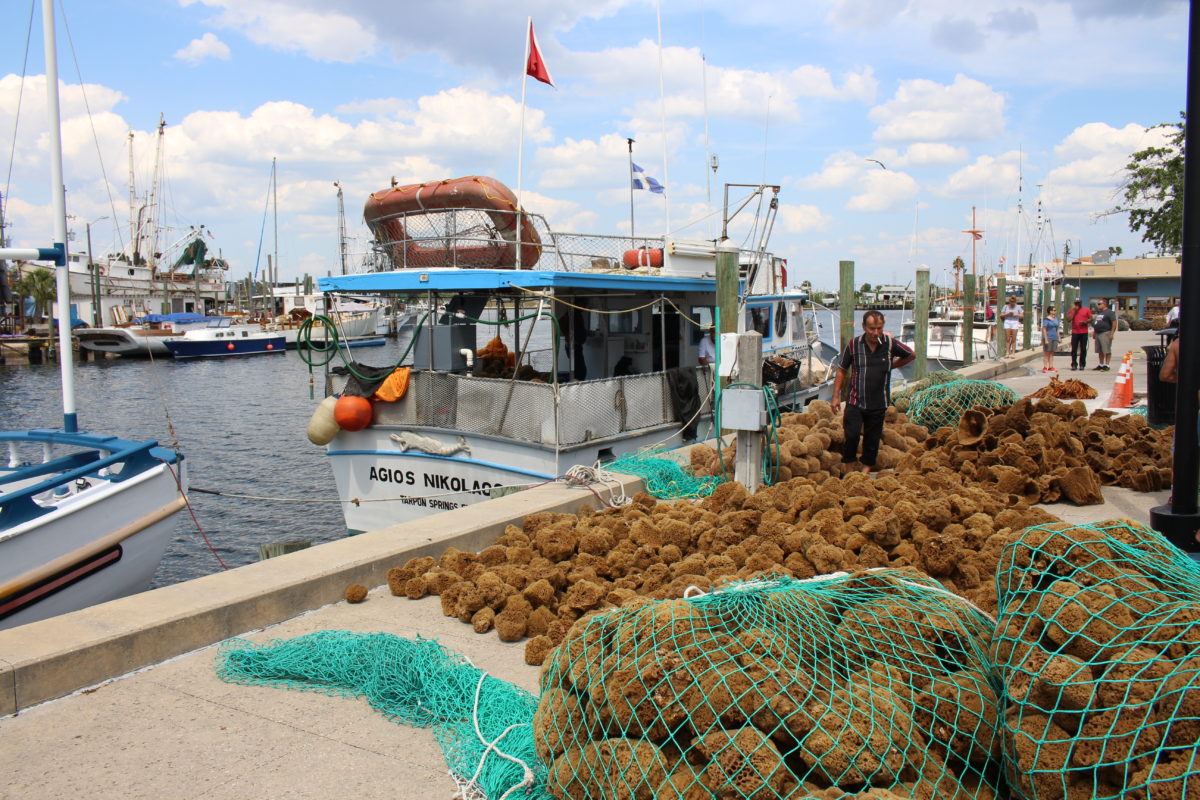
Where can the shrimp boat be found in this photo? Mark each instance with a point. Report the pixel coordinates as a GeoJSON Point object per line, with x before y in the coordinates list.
{"type": "Point", "coordinates": [84, 517]}
{"type": "Point", "coordinates": [541, 350]}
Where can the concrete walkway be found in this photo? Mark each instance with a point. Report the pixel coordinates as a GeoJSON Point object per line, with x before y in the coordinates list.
{"type": "Point", "coordinates": [172, 729]}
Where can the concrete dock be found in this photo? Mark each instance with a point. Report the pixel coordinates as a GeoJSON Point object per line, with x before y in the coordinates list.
{"type": "Point", "coordinates": [122, 701]}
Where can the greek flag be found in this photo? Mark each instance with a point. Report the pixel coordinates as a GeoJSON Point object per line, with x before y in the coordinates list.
{"type": "Point", "coordinates": [643, 181]}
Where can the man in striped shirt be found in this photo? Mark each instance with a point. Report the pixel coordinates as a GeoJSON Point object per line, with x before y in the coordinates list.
{"type": "Point", "coordinates": [868, 360]}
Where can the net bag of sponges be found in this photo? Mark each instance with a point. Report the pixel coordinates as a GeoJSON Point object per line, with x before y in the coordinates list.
{"type": "Point", "coordinates": [830, 687]}
{"type": "Point", "coordinates": [1098, 648]}
{"type": "Point", "coordinates": [942, 405]}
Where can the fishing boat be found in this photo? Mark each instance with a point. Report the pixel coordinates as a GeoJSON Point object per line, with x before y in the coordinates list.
{"type": "Point", "coordinates": [542, 351]}
{"type": "Point", "coordinates": [145, 337]}
{"type": "Point", "coordinates": [221, 339]}
{"type": "Point", "coordinates": [84, 517]}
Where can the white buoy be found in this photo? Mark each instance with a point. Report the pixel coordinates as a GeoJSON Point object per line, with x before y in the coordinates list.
{"type": "Point", "coordinates": [322, 427]}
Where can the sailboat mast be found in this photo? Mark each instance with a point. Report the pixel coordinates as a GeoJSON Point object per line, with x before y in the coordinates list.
{"type": "Point", "coordinates": [133, 232]}
{"type": "Point", "coordinates": [58, 193]}
{"type": "Point", "coordinates": [275, 225]}
{"type": "Point", "coordinates": [341, 227]}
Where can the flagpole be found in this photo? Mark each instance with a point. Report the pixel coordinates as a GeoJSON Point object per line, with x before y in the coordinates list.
{"type": "Point", "coordinates": [631, 230]}
{"type": "Point", "coordinates": [521, 145]}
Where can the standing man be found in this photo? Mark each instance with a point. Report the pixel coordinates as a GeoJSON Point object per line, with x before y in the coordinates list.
{"type": "Point", "coordinates": [1079, 317]}
{"type": "Point", "coordinates": [1104, 325]}
{"type": "Point", "coordinates": [869, 360]}
{"type": "Point", "coordinates": [706, 353]}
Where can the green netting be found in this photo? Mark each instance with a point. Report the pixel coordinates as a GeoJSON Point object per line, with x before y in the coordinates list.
{"type": "Point", "coordinates": [853, 685]}
{"type": "Point", "coordinates": [943, 405]}
{"type": "Point", "coordinates": [664, 477]}
{"type": "Point", "coordinates": [1098, 648]}
{"type": "Point", "coordinates": [903, 398]}
{"type": "Point", "coordinates": [481, 723]}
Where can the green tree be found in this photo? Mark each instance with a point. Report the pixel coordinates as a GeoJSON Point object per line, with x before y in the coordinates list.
{"type": "Point", "coordinates": [1152, 192]}
{"type": "Point", "coordinates": [38, 284]}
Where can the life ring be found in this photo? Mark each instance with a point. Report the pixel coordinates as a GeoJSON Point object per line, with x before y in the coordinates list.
{"type": "Point", "coordinates": [100, 270]}
{"type": "Point", "coordinates": [385, 211]}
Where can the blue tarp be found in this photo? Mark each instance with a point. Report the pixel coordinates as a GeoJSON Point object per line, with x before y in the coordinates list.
{"type": "Point", "coordinates": [183, 316]}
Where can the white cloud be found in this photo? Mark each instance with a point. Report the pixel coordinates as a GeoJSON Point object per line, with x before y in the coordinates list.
{"type": "Point", "coordinates": [207, 46]}
{"type": "Point", "coordinates": [318, 32]}
{"type": "Point", "coordinates": [957, 34]}
{"type": "Point", "coordinates": [866, 13]}
{"type": "Point", "coordinates": [987, 176]}
{"type": "Point", "coordinates": [883, 189]}
{"type": "Point", "coordinates": [802, 218]}
{"type": "Point", "coordinates": [926, 111]}
{"type": "Point", "coordinates": [1092, 163]}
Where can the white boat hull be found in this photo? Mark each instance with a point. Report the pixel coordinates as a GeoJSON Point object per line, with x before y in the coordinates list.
{"type": "Point", "coordinates": [394, 485]}
{"type": "Point", "coordinates": [58, 562]}
{"type": "Point", "coordinates": [125, 342]}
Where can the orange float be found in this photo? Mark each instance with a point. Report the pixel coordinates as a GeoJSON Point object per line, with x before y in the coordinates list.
{"type": "Point", "coordinates": [385, 212]}
{"type": "Point", "coordinates": [353, 413]}
{"type": "Point", "coordinates": [643, 257]}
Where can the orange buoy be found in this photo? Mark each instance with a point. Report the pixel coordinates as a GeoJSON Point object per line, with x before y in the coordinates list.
{"type": "Point", "coordinates": [643, 257]}
{"type": "Point", "coordinates": [229, 346]}
{"type": "Point", "coordinates": [353, 413]}
{"type": "Point", "coordinates": [270, 346]}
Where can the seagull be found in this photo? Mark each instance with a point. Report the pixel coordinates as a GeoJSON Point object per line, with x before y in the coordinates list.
{"type": "Point", "coordinates": [880, 163]}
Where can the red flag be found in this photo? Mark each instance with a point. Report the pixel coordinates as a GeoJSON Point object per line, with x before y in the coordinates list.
{"type": "Point", "coordinates": [535, 67]}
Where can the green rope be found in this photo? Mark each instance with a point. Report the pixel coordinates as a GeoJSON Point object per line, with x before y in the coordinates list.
{"type": "Point", "coordinates": [664, 477]}
{"type": "Point", "coordinates": [482, 724]}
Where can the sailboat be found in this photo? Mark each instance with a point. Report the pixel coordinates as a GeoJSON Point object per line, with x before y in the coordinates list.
{"type": "Point", "coordinates": [84, 517]}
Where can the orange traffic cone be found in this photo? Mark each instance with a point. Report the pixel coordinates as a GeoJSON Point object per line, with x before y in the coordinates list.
{"type": "Point", "coordinates": [1121, 395]}
{"type": "Point", "coordinates": [1128, 388]}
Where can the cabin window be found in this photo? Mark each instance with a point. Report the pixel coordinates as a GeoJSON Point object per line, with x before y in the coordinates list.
{"type": "Point", "coordinates": [703, 317]}
{"type": "Point", "coordinates": [244, 334]}
{"type": "Point", "coordinates": [626, 322]}
{"type": "Point", "coordinates": [780, 319]}
{"type": "Point", "coordinates": [797, 319]}
{"type": "Point", "coordinates": [759, 319]}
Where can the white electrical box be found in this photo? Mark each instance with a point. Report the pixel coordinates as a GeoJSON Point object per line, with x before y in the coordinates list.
{"type": "Point", "coordinates": [743, 410]}
{"type": "Point", "coordinates": [728, 343]}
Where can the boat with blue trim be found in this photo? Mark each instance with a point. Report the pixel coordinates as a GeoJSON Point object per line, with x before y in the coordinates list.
{"type": "Point", "coordinates": [84, 518]}
{"type": "Point", "coordinates": [541, 350]}
{"type": "Point", "coordinates": [221, 338]}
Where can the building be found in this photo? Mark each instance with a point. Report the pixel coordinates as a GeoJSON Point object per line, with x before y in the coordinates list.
{"type": "Point", "coordinates": [1140, 287]}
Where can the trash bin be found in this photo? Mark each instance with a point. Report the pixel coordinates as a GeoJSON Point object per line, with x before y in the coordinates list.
{"type": "Point", "coordinates": [1160, 397]}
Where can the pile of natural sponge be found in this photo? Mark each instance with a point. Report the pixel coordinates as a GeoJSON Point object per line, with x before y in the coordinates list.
{"type": "Point", "coordinates": [810, 445]}
{"type": "Point", "coordinates": [538, 579]}
{"type": "Point", "coordinates": [1047, 451]}
{"type": "Point", "coordinates": [869, 686]}
{"type": "Point", "coordinates": [1098, 648]}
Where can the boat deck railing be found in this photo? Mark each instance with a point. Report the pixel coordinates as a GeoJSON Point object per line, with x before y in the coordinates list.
{"type": "Point", "coordinates": [106, 457]}
{"type": "Point", "coordinates": [467, 238]}
{"type": "Point", "coordinates": [564, 414]}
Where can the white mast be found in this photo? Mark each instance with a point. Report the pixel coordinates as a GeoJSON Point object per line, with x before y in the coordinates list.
{"type": "Point", "coordinates": [59, 194]}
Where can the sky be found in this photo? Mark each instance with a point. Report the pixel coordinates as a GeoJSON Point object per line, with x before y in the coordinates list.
{"type": "Point", "coordinates": [886, 123]}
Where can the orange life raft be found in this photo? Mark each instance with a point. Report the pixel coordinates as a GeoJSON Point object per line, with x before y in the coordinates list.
{"type": "Point", "coordinates": [385, 212]}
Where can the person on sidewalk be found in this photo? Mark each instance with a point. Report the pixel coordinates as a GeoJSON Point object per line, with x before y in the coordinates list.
{"type": "Point", "coordinates": [1050, 326]}
{"type": "Point", "coordinates": [1103, 326]}
{"type": "Point", "coordinates": [868, 360]}
{"type": "Point", "coordinates": [1079, 317]}
{"type": "Point", "coordinates": [1012, 314]}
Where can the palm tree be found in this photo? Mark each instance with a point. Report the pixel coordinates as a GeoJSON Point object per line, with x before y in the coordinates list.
{"type": "Point", "coordinates": [38, 284]}
{"type": "Point", "coordinates": [958, 266]}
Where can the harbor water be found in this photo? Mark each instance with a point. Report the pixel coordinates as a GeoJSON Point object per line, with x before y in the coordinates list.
{"type": "Point", "coordinates": [240, 423]}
